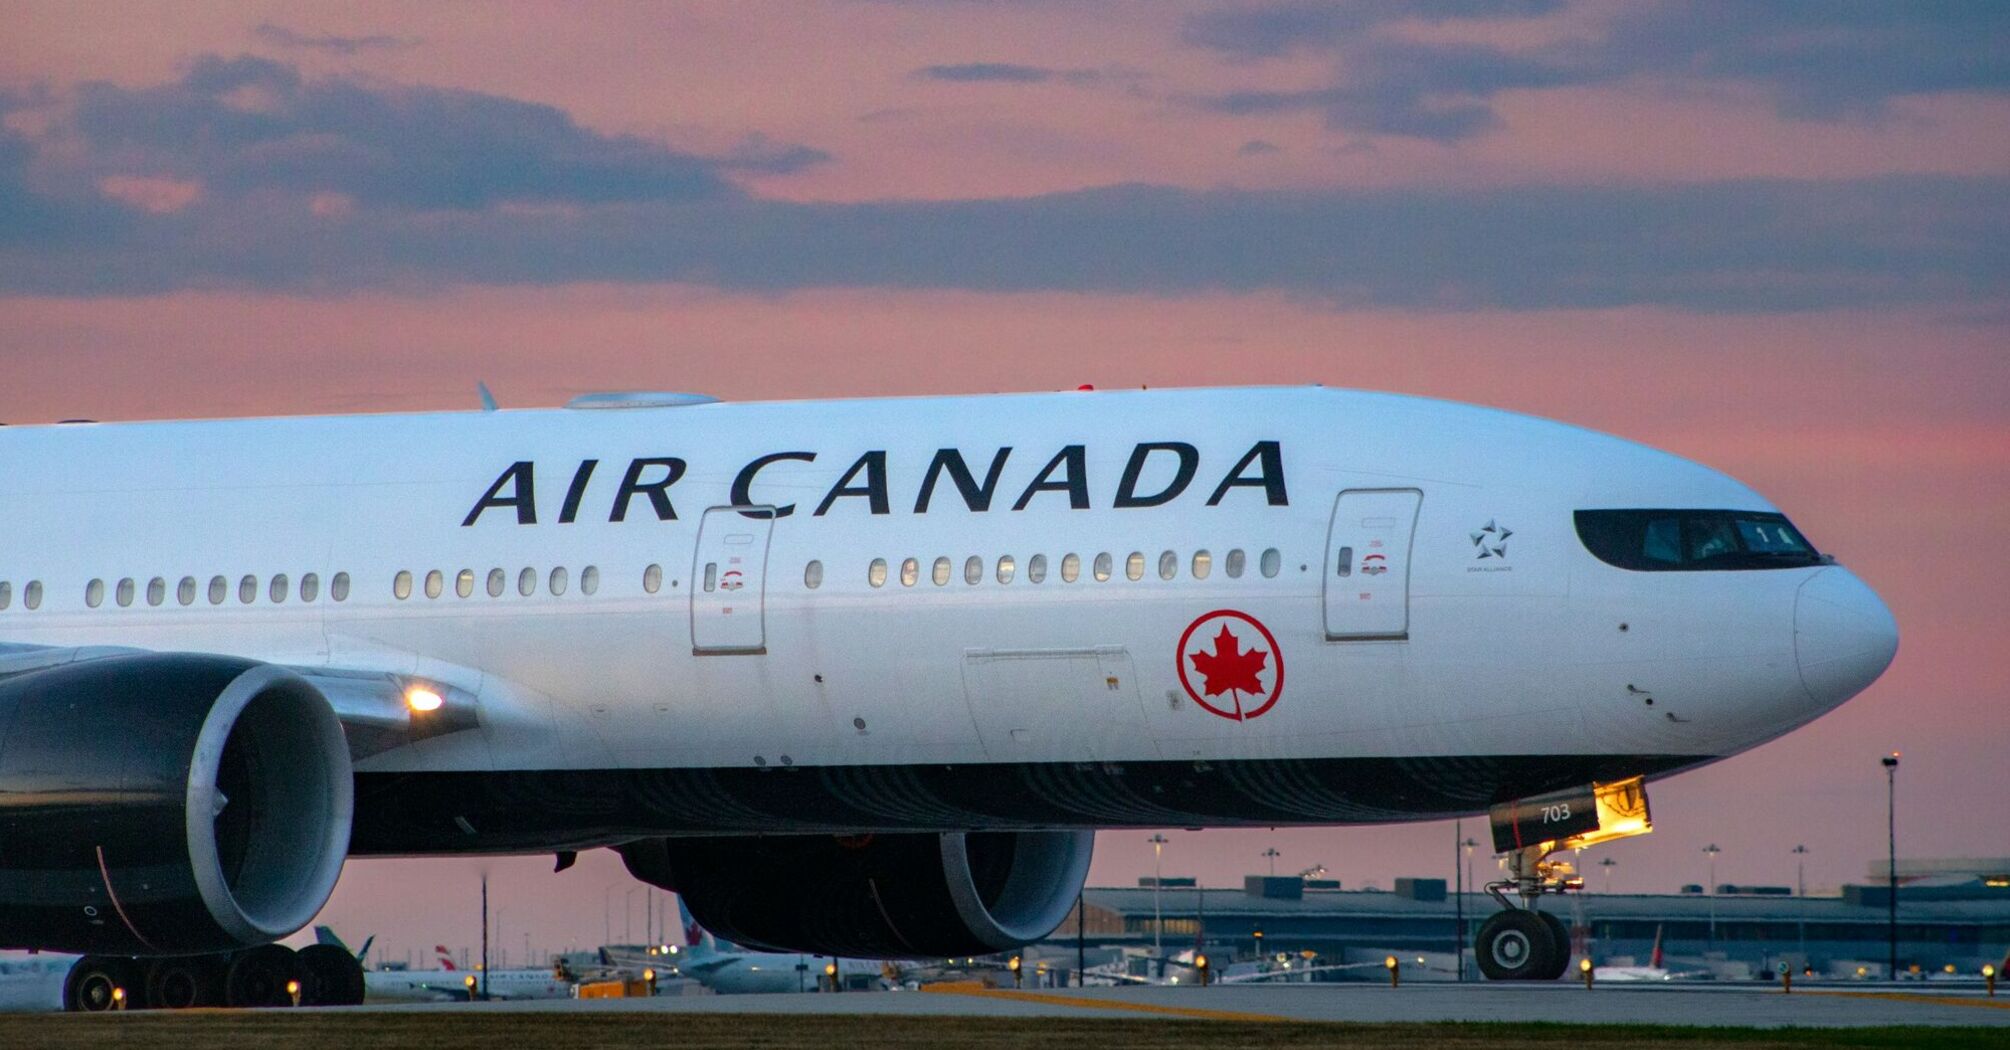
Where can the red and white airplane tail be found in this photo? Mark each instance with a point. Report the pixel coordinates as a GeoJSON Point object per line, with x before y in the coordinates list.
{"type": "Point", "coordinates": [1655, 960]}
{"type": "Point", "coordinates": [446, 960]}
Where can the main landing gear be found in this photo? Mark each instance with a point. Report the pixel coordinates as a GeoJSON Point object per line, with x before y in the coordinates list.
{"type": "Point", "coordinates": [324, 975]}
{"type": "Point", "coordinates": [1523, 942]}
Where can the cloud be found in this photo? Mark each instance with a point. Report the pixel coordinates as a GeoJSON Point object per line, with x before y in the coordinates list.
{"type": "Point", "coordinates": [246, 125]}
{"type": "Point", "coordinates": [1817, 60]}
{"type": "Point", "coordinates": [1009, 73]}
{"type": "Point", "coordinates": [280, 36]}
{"type": "Point", "coordinates": [243, 174]}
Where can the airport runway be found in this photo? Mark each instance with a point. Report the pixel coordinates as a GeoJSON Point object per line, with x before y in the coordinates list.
{"type": "Point", "coordinates": [1637, 1004]}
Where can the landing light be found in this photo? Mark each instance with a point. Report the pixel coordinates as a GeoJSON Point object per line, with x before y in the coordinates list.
{"type": "Point", "coordinates": [421, 699]}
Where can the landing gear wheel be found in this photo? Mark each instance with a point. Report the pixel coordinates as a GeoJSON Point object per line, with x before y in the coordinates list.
{"type": "Point", "coordinates": [184, 981]}
{"type": "Point", "coordinates": [1516, 945]}
{"type": "Point", "coordinates": [89, 986]}
{"type": "Point", "coordinates": [258, 976]}
{"type": "Point", "coordinates": [1560, 935]}
{"type": "Point", "coordinates": [330, 976]}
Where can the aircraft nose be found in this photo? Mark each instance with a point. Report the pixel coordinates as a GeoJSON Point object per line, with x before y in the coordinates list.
{"type": "Point", "coordinates": [1844, 637]}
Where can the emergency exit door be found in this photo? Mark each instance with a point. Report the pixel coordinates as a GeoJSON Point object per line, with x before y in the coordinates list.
{"type": "Point", "coordinates": [728, 580]}
{"type": "Point", "coordinates": [1368, 564]}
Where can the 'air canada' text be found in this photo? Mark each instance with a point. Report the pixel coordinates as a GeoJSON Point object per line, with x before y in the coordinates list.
{"type": "Point", "coordinates": [947, 481]}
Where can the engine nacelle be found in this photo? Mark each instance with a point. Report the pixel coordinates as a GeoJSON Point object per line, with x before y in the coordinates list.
{"type": "Point", "coordinates": [160, 804]}
{"type": "Point", "coordinates": [874, 896]}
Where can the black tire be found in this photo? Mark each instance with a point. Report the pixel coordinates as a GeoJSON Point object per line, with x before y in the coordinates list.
{"type": "Point", "coordinates": [185, 981]}
{"type": "Point", "coordinates": [1515, 945]}
{"type": "Point", "coordinates": [89, 986]}
{"type": "Point", "coordinates": [1561, 933]}
{"type": "Point", "coordinates": [330, 976]}
{"type": "Point", "coordinates": [258, 976]}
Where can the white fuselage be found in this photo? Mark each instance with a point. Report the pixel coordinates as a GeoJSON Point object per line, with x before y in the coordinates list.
{"type": "Point", "coordinates": [1537, 653]}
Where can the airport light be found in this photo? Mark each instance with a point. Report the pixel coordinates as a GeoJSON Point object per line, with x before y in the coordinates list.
{"type": "Point", "coordinates": [470, 982]}
{"type": "Point", "coordinates": [1584, 967]}
{"type": "Point", "coordinates": [1711, 851]}
{"type": "Point", "coordinates": [1989, 978]}
{"type": "Point", "coordinates": [1271, 855]}
{"type": "Point", "coordinates": [1200, 963]}
{"type": "Point", "coordinates": [118, 998]}
{"type": "Point", "coordinates": [1158, 842]}
{"type": "Point", "coordinates": [1395, 971]}
{"type": "Point", "coordinates": [293, 991]}
{"type": "Point", "coordinates": [1891, 872]}
{"type": "Point", "coordinates": [1018, 978]}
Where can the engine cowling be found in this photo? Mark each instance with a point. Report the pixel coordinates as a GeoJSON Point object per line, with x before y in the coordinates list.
{"type": "Point", "coordinates": [874, 896]}
{"type": "Point", "coordinates": [168, 803]}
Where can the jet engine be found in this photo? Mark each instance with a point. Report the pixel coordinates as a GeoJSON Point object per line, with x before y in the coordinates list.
{"type": "Point", "coordinates": [167, 803]}
{"type": "Point", "coordinates": [874, 896]}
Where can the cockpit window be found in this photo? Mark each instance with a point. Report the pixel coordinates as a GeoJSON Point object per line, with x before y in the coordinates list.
{"type": "Point", "coordinates": [1694, 540]}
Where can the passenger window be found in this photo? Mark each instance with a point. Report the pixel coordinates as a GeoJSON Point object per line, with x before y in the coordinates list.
{"type": "Point", "coordinates": [31, 595]}
{"type": "Point", "coordinates": [94, 593]}
{"type": "Point", "coordinates": [652, 579]}
{"type": "Point", "coordinates": [310, 587]}
{"type": "Point", "coordinates": [278, 588]}
{"type": "Point", "coordinates": [910, 572]}
{"type": "Point", "coordinates": [940, 574]}
{"type": "Point", "coordinates": [401, 585]}
{"type": "Point", "coordinates": [558, 581]}
{"type": "Point", "coordinates": [1036, 569]}
{"type": "Point", "coordinates": [1234, 564]}
{"type": "Point", "coordinates": [338, 588]}
{"type": "Point", "coordinates": [184, 591]}
{"type": "Point", "coordinates": [464, 583]}
{"type": "Point", "coordinates": [1203, 563]}
{"type": "Point", "coordinates": [219, 588]}
{"type": "Point", "coordinates": [875, 574]}
{"type": "Point", "coordinates": [1104, 564]}
{"type": "Point", "coordinates": [973, 570]}
{"type": "Point", "coordinates": [247, 590]}
{"type": "Point", "coordinates": [1071, 568]}
{"type": "Point", "coordinates": [125, 592]}
{"type": "Point", "coordinates": [1134, 566]}
{"type": "Point", "coordinates": [526, 581]}
{"type": "Point", "coordinates": [813, 575]}
{"type": "Point", "coordinates": [435, 583]}
{"type": "Point", "coordinates": [1005, 568]}
{"type": "Point", "coordinates": [6, 594]}
{"type": "Point", "coordinates": [1343, 562]}
{"type": "Point", "coordinates": [498, 579]}
{"type": "Point", "coordinates": [157, 591]}
{"type": "Point", "coordinates": [589, 580]}
{"type": "Point", "coordinates": [1273, 560]}
{"type": "Point", "coordinates": [1168, 565]}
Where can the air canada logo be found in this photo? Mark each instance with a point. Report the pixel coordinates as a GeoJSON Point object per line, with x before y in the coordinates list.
{"type": "Point", "coordinates": [1230, 665]}
{"type": "Point", "coordinates": [1490, 540]}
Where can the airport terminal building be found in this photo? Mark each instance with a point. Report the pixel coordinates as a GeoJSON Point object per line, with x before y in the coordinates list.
{"type": "Point", "coordinates": [1958, 919]}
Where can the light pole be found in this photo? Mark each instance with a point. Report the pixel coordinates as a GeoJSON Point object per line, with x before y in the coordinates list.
{"type": "Point", "coordinates": [1801, 891]}
{"type": "Point", "coordinates": [607, 915]}
{"type": "Point", "coordinates": [628, 915]}
{"type": "Point", "coordinates": [1891, 859]}
{"type": "Point", "coordinates": [1158, 842]}
{"type": "Point", "coordinates": [1271, 855]}
{"type": "Point", "coordinates": [1608, 864]}
{"type": "Point", "coordinates": [1711, 851]}
{"type": "Point", "coordinates": [1459, 897]}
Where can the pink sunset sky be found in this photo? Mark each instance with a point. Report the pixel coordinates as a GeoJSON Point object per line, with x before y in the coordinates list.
{"type": "Point", "coordinates": [1770, 238]}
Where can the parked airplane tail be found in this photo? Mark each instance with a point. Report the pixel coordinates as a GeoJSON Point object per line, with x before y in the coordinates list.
{"type": "Point", "coordinates": [696, 936]}
{"type": "Point", "coordinates": [326, 935]}
{"type": "Point", "coordinates": [1655, 960]}
{"type": "Point", "coordinates": [446, 960]}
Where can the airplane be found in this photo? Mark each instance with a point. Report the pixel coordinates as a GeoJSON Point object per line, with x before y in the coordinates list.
{"type": "Point", "coordinates": [32, 982]}
{"type": "Point", "coordinates": [449, 983]}
{"type": "Point", "coordinates": [861, 677]}
{"type": "Point", "coordinates": [326, 935]}
{"type": "Point", "coordinates": [728, 969]}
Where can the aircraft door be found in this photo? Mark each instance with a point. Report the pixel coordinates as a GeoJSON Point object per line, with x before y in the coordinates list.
{"type": "Point", "coordinates": [1367, 588]}
{"type": "Point", "coordinates": [728, 580]}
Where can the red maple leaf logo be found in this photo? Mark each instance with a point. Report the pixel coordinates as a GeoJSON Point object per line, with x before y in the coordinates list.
{"type": "Point", "coordinates": [1230, 668]}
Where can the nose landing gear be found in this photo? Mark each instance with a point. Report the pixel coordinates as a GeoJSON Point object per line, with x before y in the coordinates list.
{"type": "Point", "coordinates": [1523, 942]}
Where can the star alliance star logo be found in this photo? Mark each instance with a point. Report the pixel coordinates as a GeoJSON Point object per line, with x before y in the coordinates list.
{"type": "Point", "coordinates": [1491, 540]}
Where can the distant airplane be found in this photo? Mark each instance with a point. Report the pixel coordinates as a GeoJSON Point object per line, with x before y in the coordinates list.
{"type": "Point", "coordinates": [919, 650]}
{"type": "Point", "coordinates": [32, 982]}
{"type": "Point", "coordinates": [731, 970]}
